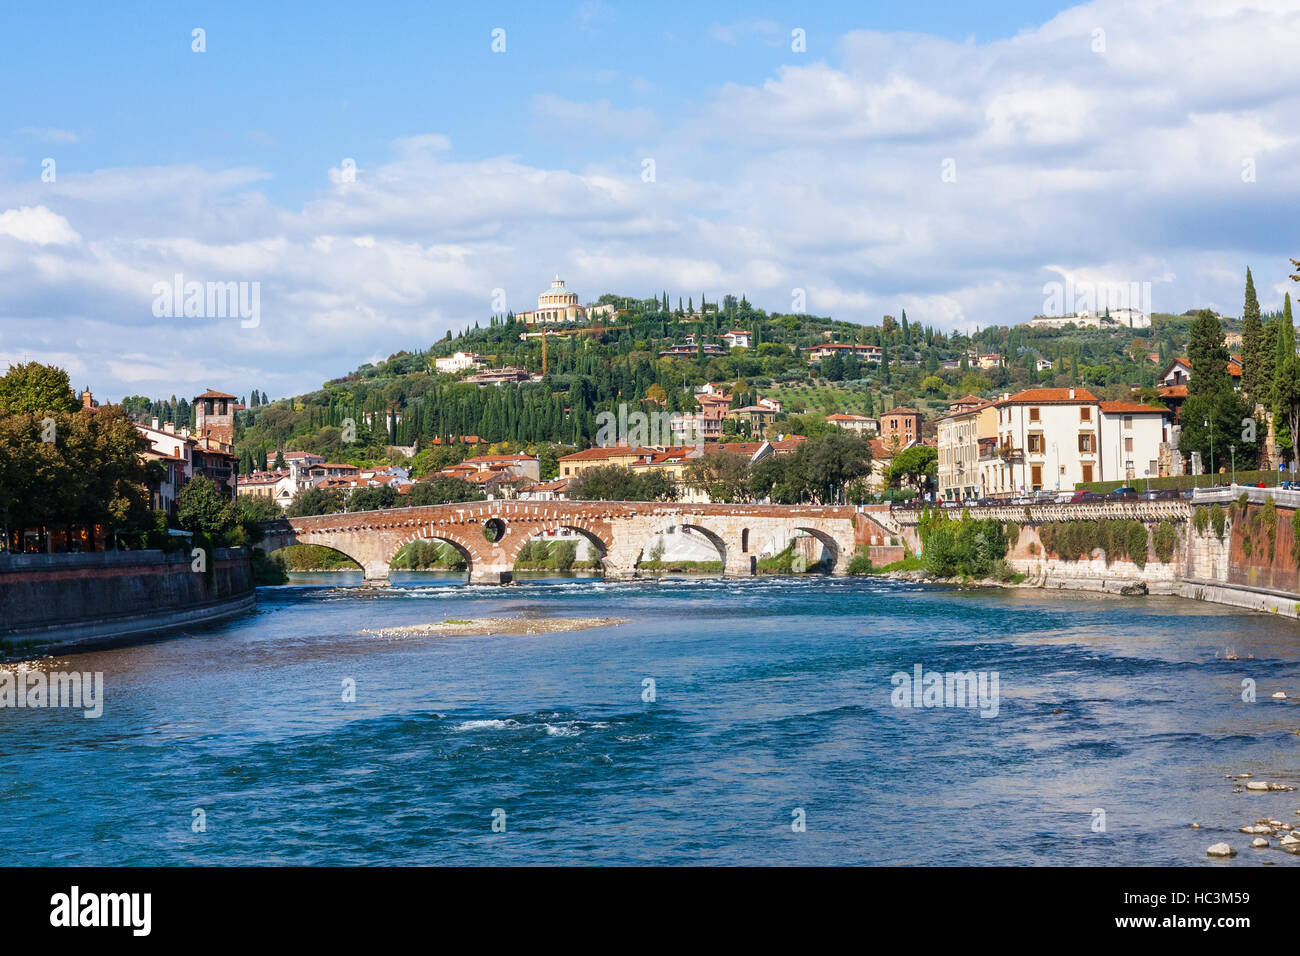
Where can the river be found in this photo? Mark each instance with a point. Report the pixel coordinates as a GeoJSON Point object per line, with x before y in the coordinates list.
{"type": "Point", "coordinates": [771, 708]}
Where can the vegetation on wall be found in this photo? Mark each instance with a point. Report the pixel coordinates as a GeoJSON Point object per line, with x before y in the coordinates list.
{"type": "Point", "coordinates": [1077, 540]}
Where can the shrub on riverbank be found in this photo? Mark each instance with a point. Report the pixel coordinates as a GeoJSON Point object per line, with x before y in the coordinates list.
{"type": "Point", "coordinates": [971, 547]}
{"type": "Point", "coordinates": [861, 564]}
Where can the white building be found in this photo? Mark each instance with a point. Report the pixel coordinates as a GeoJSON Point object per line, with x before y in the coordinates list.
{"type": "Point", "coordinates": [458, 362]}
{"type": "Point", "coordinates": [1051, 439]}
{"type": "Point", "coordinates": [1093, 319]}
{"type": "Point", "coordinates": [556, 304]}
{"type": "Point", "coordinates": [736, 338]}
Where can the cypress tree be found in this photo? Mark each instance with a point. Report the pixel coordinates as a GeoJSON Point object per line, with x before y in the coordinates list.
{"type": "Point", "coordinates": [1252, 341]}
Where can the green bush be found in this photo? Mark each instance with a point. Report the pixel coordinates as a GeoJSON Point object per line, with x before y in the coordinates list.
{"type": "Point", "coordinates": [1165, 540]}
{"type": "Point", "coordinates": [971, 547]}
{"type": "Point", "coordinates": [1136, 545]}
{"type": "Point", "coordinates": [1115, 537]}
{"type": "Point", "coordinates": [861, 564]}
{"type": "Point", "coordinates": [1217, 520]}
{"type": "Point", "coordinates": [1201, 519]}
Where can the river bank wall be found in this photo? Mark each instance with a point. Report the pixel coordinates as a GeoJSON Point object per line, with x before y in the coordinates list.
{"type": "Point", "coordinates": [1242, 555]}
{"type": "Point", "coordinates": [51, 602]}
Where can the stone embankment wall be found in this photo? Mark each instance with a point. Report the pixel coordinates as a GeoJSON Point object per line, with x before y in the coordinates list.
{"type": "Point", "coordinates": [61, 600]}
{"type": "Point", "coordinates": [1249, 558]}
{"type": "Point", "coordinates": [1094, 573]}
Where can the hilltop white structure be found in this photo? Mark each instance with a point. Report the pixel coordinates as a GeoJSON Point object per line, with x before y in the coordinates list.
{"type": "Point", "coordinates": [556, 304]}
{"type": "Point", "coordinates": [1092, 319]}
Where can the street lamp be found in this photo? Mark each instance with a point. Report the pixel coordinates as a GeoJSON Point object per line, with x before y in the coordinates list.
{"type": "Point", "coordinates": [1207, 427]}
{"type": "Point", "coordinates": [1233, 450]}
{"type": "Point", "coordinates": [1147, 472]}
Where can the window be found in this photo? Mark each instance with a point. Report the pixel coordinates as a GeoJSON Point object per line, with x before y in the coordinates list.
{"type": "Point", "coordinates": [1128, 422]}
{"type": "Point", "coordinates": [1085, 413]}
{"type": "Point", "coordinates": [1034, 415]}
{"type": "Point", "coordinates": [1036, 444]}
{"type": "Point", "coordinates": [1128, 444]}
{"type": "Point", "coordinates": [1085, 443]}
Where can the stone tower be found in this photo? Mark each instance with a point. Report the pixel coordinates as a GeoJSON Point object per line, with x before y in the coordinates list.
{"type": "Point", "coordinates": [214, 416]}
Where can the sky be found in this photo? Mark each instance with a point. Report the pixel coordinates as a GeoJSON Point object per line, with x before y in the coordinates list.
{"type": "Point", "coordinates": [379, 174]}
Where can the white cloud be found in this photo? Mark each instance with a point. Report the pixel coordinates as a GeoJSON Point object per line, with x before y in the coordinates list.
{"type": "Point", "coordinates": [38, 225]}
{"type": "Point", "coordinates": [826, 176]}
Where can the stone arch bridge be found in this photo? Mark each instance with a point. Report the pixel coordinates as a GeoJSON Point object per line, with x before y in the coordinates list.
{"type": "Point", "coordinates": [490, 533]}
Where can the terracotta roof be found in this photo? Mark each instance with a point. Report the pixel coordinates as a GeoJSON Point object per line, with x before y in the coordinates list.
{"type": "Point", "coordinates": [611, 451]}
{"type": "Point", "coordinates": [746, 448]}
{"type": "Point", "coordinates": [1047, 396]}
{"type": "Point", "coordinates": [1173, 391]}
{"type": "Point", "coordinates": [486, 459]}
{"type": "Point", "coordinates": [559, 484]}
{"type": "Point", "coordinates": [902, 410]}
{"type": "Point", "coordinates": [841, 417]}
{"type": "Point", "coordinates": [211, 394]}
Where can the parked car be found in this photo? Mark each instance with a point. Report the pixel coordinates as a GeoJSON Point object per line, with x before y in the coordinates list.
{"type": "Point", "coordinates": [1161, 494]}
{"type": "Point", "coordinates": [1124, 494]}
{"type": "Point", "coordinates": [1081, 497]}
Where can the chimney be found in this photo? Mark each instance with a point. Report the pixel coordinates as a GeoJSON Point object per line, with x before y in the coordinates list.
{"type": "Point", "coordinates": [154, 424]}
{"type": "Point", "coordinates": [168, 427]}
{"type": "Point", "coordinates": [1072, 393]}
{"type": "Point", "coordinates": [87, 400]}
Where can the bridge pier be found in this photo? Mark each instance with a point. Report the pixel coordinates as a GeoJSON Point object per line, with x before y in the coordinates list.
{"type": "Point", "coordinates": [375, 575]}
{"type": "Point", "coordinates": [491, 575]}
{"type": "Point", "coordinates": [738, 564]}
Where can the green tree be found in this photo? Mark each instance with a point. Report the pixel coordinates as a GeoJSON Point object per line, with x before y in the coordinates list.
{"type": "Point", "coordinates": [1252, 341]}
{"type": "Point", "coordinates": [443, 488]}
{"type": "Point", "coordinates": [1211, 399]}
{"type": "Point", "coordinates": [915, 467]}
{"type": "Point", "coordinates": [201, 507]}
{"type": "Point", "coordinates": [372, 498]}
{"type": "Point", "coordinates": [315, 501]}
{"type": "Point", "coordinates": [36, 389]}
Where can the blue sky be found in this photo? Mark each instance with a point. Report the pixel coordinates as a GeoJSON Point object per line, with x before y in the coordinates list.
{"type": "Point", "coordinates": [479, 171]}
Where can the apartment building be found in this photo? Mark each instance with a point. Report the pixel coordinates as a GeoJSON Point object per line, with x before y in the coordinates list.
{"type": "Point", "coordinates": [962, 434]}
{"type": "Point", "coordinates": [1051, 439]}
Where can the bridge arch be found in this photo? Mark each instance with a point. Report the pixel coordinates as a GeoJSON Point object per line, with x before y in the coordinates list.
{"type": "Point", "coordinates": [425, 535]}
{"type": "Point", "coordinates": [690, 527]}
{"type": "Point", "coordinates": [828, 542]}
{"type": "Point", "coordinates": [533, 532]}
{"type": "Point", "coordinates": [270, 548]}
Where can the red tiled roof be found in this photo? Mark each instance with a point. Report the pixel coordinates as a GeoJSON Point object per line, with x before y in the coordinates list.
{"type": "Point", "coordinates": [1047, 396]}
{"type": "Point", "coordinates": [1173, 391]}
{"type": "Point", "coordinates": [611, 451]}
{"type": "Point", "coordinates": [211, 394]}
{"type": "Point", "coordinates": [487, 459]}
